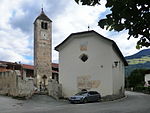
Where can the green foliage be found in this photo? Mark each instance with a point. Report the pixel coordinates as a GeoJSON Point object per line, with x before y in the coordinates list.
{"type": "Point", "coordinates": [139, 60]}
{"type": "Point", "coordinates": [136, 78]}
{"type": "Point", "coordinates": [88, 2]}
{"type": "Point", "coordinates": [131, 15]}
{"type": "Point", "coordinates": [142, 89]}
{"type": "Point", "coordinates": [139, 88]}
{"type": "Point", "coordinates": [126, 82]}
{"type": "Point", "coordinates": [147, 89]}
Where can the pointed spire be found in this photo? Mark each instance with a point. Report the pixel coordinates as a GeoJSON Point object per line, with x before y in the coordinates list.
{"type": "Point", "coordinates": [42, 16]}
{"type": "Point", "coordinates": [88, 28]}
{"type": "Point", "coordinates": [42, 9]}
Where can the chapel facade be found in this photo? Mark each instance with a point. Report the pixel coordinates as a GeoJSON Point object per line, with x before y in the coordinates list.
{"type": "Point", "coordinates": [88, 60]}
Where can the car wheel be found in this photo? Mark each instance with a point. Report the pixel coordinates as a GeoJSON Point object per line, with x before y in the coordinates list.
{"type": "Point", "coordinates": [99, 99]}
{"type": "Point", "coordinates": [85, 100]}
{"type": "Point", "coordinates": [72, 102]}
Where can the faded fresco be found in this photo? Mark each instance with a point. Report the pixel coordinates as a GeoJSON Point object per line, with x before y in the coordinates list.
{"type": "Point", "coordinates": [86, 82]}
{"type": "Point", "coordinates": [83, 46]}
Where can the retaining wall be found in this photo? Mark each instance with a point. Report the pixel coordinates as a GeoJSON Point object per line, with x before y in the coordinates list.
{"type": "Point", "coordinates": [12, 84]}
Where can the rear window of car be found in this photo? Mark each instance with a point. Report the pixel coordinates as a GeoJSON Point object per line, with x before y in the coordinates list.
{"type": "Point", "coordinates": [93, 92]}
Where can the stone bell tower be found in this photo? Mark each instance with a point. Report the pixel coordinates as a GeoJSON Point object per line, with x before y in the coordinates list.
{"type": "Point", "coordinates": [42, 49]}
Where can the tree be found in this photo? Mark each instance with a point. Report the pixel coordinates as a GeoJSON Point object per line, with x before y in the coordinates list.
{"type": "Point", "coordinates": [136, 78]}
{"type": "Point", "coordinates": [131, 15]}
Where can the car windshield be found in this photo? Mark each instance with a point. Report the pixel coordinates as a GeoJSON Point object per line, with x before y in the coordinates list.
{"type": "Point", "coordinates": [81, 93]}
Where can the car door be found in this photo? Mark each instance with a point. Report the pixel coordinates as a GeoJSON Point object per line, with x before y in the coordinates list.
{"type": "Point", "coordinates": [91, 96]}
{"type": "Point", "coordinates": [96, 96]}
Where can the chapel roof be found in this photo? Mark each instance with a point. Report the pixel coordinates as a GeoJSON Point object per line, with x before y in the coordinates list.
{"type": "Point", "coordinates": [114, 45]}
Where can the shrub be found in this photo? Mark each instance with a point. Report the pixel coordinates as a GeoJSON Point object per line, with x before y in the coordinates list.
{"type": "Point", "coordinates": [139, 88]}
{"type": "Point", "coordinates": [147, 89]}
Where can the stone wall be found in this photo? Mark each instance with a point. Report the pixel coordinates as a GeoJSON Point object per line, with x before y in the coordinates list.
{"type": "Point", "coordinates": [8, 83]}
{"type": "Point", "coordinates": [54, 89]}
{"type": "Point", "coordinates": [12, 84]}
{"type": "Point", "coordinates": [25, 88]}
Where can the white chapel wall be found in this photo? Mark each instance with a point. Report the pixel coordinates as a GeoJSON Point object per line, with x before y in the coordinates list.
{"type": "Point", "coordinates": [94, 74]}
{"type": "Point", "coordinates": [147, 78]}
{"type": "Point", "coordinates": [117, 74]}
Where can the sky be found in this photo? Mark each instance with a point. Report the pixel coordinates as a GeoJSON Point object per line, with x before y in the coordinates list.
{"type": "Point", "coordinates": [16, 26]}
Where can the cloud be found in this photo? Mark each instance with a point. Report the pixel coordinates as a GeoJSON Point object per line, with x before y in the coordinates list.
{"type": "Point", "coordinates": [24, 16]}
{"type": "Point", "coordinates": [75, 18]}
{"type": "Point", "coordinates": [14, 42]}
{"type": "Point", "coordinates": [127, 47]}
{"type": "Point", "coordinates": [16, 26]}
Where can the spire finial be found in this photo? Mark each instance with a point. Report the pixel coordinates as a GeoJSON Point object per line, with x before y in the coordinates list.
{"type": "Point", "coordinates": [88, 28]}
{"type": "Point", "coordinates": [42, 9]}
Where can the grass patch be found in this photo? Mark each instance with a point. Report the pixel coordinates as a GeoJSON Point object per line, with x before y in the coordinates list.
{"type": "Point", "coordinates": [138, 60]}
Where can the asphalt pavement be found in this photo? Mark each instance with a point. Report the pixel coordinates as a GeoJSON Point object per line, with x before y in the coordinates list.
{"type": "Point", "coordinates": [132, 103]}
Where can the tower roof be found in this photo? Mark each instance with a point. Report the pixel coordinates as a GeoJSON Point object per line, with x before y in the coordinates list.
{"type": "Point", "coordinates": [43, 16]}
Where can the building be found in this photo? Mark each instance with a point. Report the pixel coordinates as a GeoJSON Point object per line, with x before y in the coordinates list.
{"type": "Point", "coordinates": [42, 49]}
{"type": "Point", "coordinates": [147, 78]}
{"type": "Point", "coordinates": [87, 60]}
{"type": "Point", "coordinates": [16, 79]}
{"type": "Point", "coordinates": [27, 71]}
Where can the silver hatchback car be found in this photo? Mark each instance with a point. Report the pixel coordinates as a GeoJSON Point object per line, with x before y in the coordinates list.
{"type": "Point", "coordinates": [85, 96]}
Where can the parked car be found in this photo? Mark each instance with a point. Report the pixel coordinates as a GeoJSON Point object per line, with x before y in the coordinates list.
{"type": "Point", "coordinates": [85, 96]}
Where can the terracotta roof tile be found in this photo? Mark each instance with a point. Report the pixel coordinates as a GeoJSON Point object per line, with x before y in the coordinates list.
{"type": "Point", "coordinates": [32, 67]}
{"type": "Point", "coordinates": [4, 70]}
{"type": "Point", "coordinates": [25, 66]}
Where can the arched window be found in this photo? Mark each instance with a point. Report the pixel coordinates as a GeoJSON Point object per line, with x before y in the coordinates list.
{"type": "Point", "coordinates": [43, 25]}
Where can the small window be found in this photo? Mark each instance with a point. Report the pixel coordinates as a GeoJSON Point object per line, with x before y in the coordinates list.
{"type": "Point", "coordinates": [84, 57]}
{"type": "Point", "coordinates": [43, 25]}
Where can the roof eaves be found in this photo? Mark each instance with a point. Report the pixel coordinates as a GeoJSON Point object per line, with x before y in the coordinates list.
{"type": "Point", "coordinates": [116, 48]}
{"type": "Point", "coordinates": [57, 48]}
{"type": "Point", "coordinates": [72, 34]}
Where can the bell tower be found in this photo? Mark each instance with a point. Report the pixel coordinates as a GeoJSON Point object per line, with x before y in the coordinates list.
{"type": "Point", "coordinates": [42, 49]}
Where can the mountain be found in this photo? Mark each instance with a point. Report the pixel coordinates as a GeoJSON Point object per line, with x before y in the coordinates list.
{"type": "Point", "coordinates": [140, 60]}
{"type": "Point", "coordinates": [142, 53]}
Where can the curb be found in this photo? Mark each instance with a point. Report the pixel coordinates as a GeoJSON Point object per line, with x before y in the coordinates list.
{"type": "Point", "coordinates": [120, 99]}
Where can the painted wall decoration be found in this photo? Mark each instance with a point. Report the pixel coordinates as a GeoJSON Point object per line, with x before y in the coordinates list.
{"type": "Point", "coordinates": [86, 82]}
{"type": "Point", "coordinates": [83, 46]}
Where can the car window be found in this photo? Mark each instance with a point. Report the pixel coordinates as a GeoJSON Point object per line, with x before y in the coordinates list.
{"type": "Point", "coordinates": [81, 93]}
{"type": "Point", "coordinates": [93, 92]}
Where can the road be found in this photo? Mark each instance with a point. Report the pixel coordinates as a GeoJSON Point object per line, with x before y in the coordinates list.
{"type": "Point", "coordinates": [133, 103]}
